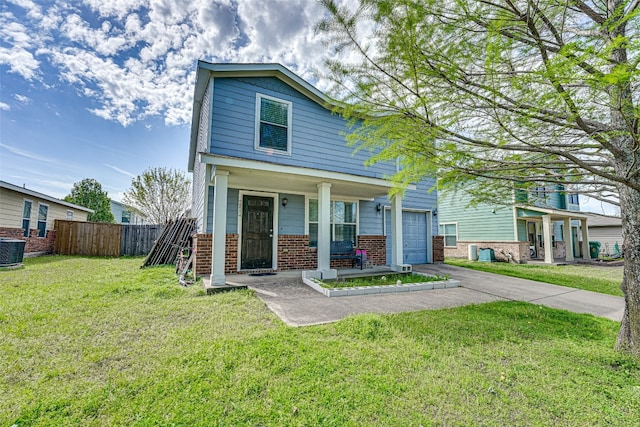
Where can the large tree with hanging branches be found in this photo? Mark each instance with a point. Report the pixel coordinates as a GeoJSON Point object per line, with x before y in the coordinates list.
{"type": "Point", "coordinates": [509, 93]}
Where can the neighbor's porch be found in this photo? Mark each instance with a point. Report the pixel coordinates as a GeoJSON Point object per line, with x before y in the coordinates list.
{"type": "Point", "coordinates": [537, 227]}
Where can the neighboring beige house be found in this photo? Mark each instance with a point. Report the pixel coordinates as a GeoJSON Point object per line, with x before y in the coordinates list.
{"type": "Point", "coordinates": [28, 215]}
{"type": "Point", "coordinates": [607, 230]}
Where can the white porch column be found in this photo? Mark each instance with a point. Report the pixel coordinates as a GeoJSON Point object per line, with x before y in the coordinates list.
{"type": "Point", "coordinates": [324, 231]}
{"type": "Point", "coordinates": [566, 236]}
{"type": "Point", "coordinates": [221, 185]}
{"type": "Point", "coordinates": [586, 253]}
{"type": "Point", "coordinates": [548, 240]}
{"type": "Point", "coordinates": [397, 255]}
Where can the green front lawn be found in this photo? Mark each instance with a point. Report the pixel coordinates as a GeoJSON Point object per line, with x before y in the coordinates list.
{"type": "Point", "coordinates": [101, 342]}
{"type": "Point", "coordinates": [605, 280]}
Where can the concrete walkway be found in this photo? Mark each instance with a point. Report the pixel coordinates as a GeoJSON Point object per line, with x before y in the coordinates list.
{"type": "Point", "coordinates": [298, 305]}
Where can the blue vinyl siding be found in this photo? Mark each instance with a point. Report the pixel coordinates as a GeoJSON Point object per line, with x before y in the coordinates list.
{"type": "Point", "coordinates": [318, 140]}
{"type": "Point", "coordinates": [370, 219]}
{"type": "Point", "coordinates": [232, 210]}
{"type": "Point", "coordinates": [291, 217]}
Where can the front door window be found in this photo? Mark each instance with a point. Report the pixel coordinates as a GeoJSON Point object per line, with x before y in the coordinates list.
{"type": "Point", "coordinates": [257, 232]}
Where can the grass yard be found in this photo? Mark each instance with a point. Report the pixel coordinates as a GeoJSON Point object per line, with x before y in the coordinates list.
{"type": "Point", "coordinates": [605, 280]}
{"type": "Point", "coordinates": [97, 342]}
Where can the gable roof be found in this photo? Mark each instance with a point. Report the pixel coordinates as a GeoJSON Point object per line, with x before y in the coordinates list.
{"type": "Point", "coordinates": [206, 70]}
{"type": "Point", "coordinates": [32, 193]}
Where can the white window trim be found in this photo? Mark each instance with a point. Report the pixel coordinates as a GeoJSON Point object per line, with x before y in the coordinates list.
{"type": "Point", "coordinates": [30, 216]}
{"type": "Point", "coordinates": [256, 144]}
{"type": "Point", "coordinates": [46, 221]}
{"type": "Point", "coordinates": [69, 215]}
{"type": "Point", "coordinates": [443, 224]}
{"type": "Point", "coordinates": [336, 199]}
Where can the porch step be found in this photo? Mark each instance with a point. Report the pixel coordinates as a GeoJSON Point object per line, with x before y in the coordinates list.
{"type": "Point", "coordinates": [213, 289]}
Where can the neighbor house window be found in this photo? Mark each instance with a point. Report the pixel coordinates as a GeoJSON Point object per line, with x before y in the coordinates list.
{"type": "Point", "coordinates": [273, 124]}
{"type": "Point", "coordinates": [343, 218]}
{"type": "Point", "coordinates": [126, 217]}
{"type": "Point", "coordinates": [540, 193]}
{"type": "Point", "coordinates": [26, 217]}
{"type": "Point", "coordinates": [43, 210]}
{"type": "Point", "coordinates": [69, 215]}
{"type": "Point", "coordinates": [573, 199]}
{"type": "Point", "coordinates": [450, 233]}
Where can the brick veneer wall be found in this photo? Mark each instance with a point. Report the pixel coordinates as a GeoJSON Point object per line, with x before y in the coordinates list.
{"type": "Point", "coordinates": [518, 250]}
{"type": "Point", "coordinates": [376, 247]}
{"type": "Point", "coordinates": [294, 253]}
{"type": "Point", "coordinates": [438, 248]}
{"type": "Point", "coordinates": [202, 260]}
{"type": "Point", "coordinates": [34, 245]}
{"type": "Point", "coordinates": [231, 254]}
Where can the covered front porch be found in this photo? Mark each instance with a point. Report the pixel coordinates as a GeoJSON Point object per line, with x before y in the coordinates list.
{"type": "Point", "coordinates": [264, 228]}
{"type": "Point", "coordinates": [554, 236]}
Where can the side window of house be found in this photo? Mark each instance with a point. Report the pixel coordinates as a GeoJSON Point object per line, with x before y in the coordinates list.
{"type": "Point", "coordinates": [573, 199]}
{"type": "Point", "coordinates": [273, 124]}
{"type": "Point", "coordinates": [69, 215]}
{"type": "Point", "coordinates": [26, 217]}
{"type": "Point", "coordinates": [344, 223]}
{"type": "Point", "coordinates": [43, 211]}
{"type": "Point", "coordinates": [126, 217]}
{"type": "Point", "coordinates": [450, 233]}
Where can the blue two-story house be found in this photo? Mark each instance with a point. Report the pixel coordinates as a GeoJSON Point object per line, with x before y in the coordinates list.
{"type": "Point", "coordinates": [274, 181]}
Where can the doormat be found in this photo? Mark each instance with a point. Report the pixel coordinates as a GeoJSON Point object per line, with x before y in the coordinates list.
{"type": "Point", "coordinates": [262, 274]}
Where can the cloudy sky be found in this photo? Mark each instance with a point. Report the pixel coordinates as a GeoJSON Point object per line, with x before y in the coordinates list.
{"type": "Point", "coordinates": [103, 88]}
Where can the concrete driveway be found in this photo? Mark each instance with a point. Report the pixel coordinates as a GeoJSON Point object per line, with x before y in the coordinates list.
{"type": "Point", "coordinates": [298, 305]}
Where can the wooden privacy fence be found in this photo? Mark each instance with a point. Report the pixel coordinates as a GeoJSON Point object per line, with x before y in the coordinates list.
{"type": "Point", "coordinates": [100, 239]}
{"type": "Point", "coordinates": [139, 239]}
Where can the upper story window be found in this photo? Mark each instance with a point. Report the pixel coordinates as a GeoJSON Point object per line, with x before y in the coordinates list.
{"type": "Point", "coordinates": [573, 199]}
{"type": "Point", "coordinates": [273, 124]}
{"type": "Point", "coordinates": [540, 193]}
{"type": "Point", "coordinates": [69, 215]}
{"type": "Point", "coordinates": [126, 217]}
{"type": "Point", "coordinates": [43, 211]}
{"type": "Point", "coordinates": [26, 217]}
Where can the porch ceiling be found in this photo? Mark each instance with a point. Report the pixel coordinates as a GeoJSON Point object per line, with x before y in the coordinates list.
{"type": "Point", "coordinates": [262, 176]}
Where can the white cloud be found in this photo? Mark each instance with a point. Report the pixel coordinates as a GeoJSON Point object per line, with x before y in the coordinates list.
{"type": "Point", "coordinates": [122, 171]}
{"type": "Point", "coordinates": [136, 58]}
{"type": "Point", "coordinates": [22, 99]}
{"type": "Point", "coordinates": [25, 153]}
{"type": "Point", "coordinates": [4, 106]}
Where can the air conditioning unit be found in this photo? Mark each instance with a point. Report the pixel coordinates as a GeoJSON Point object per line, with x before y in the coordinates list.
{"type": "Point", "coordinates": [11, 251]}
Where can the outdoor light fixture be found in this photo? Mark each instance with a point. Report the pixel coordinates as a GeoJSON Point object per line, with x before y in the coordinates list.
{"type": "Point", "coordinates": [435, 212]}
{"type": "Point", "coordinates": [284, 202]}
{"type": "Point", "coordinates": [378, 207]}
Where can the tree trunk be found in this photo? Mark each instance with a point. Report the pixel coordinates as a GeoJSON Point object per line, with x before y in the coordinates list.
{"type": "Point", "coordinates": [629, 336]}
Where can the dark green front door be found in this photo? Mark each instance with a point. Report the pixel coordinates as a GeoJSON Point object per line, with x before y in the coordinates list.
{"type": "Point", "coordinates": [257, 233]}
